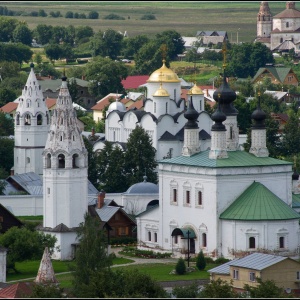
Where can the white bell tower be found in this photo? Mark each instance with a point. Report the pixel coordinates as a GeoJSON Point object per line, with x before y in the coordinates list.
{"type": "Point", "coordinates": [65, 181]}
{"type": "Point", "coordinates": [31, 128]}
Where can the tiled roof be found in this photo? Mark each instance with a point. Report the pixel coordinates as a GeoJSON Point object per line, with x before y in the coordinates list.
{"type": "Point", "coordinates": [138, 105]}
{"type": "Point", "coordinates": [288, 13]}
{"type": "Point", "coordinates": [105, 101]}
{"type": "Point", "coordinates": [235, 159]}
{"type": "Point", "coordinates": [9, 107]}
{"type": "Point", "coordinates": [17, 290]}
{"type": "Point", "coordinates": [255, 261]}
{"type": "Point", "coordinates": [133, 82]}
{"type": "Point", "coordinates": [258, 203]}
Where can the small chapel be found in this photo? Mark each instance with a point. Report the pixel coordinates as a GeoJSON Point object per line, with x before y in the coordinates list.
{"type": "Point", "coordinates": [222, 200]}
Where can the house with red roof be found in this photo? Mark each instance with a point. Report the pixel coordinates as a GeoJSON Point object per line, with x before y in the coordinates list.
{"type": "Point", "coordinates": [133, 82]}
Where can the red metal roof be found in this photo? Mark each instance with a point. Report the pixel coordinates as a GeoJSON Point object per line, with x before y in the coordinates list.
{"type": "Point", "coordinates": [105, 101]}
{"type": "Point", "coordinates": [9, 107]}
{"type": "Point", "coordinates": [133, 82]}
{"type": "Point", "coordinates": [17, 290]}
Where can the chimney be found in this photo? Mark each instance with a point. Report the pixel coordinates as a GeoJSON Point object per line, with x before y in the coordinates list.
{"type": "Point", "coordinates": [101, 197]}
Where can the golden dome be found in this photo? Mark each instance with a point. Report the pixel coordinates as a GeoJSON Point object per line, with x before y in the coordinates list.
{"type": "Point", "coordinates": [163, 74]}
{"type": "Point", "coordinates": [161, 92]}
{"type": "Point", "coordinates": [195, 90]}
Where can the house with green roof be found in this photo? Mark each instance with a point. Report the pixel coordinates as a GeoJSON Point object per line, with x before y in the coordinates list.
{"type": "Point", "coordinates": [278, 75]}
{"type": "Point", "coordinates": [223, 200]}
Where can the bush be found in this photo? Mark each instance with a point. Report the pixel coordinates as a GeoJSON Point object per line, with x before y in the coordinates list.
{"type": "Point", "coordinates": [132, 251]}
{"type": "Point", "coordinates": [209, 260]}
{"type": "Point", "coordinates": [113, 17]}
{"type": "Point", "coordinates": [180, 266]}
{"type": "Point", "coordinates": [148, 17]}
{"type": "Point", "coordinates": [201, 262]}
{"type": "Point", "coordinates": [221, 260]}
{"type": "Point", "coordinates": [123, 241]}
{"type": "Point", "coordinates": [93, 15]}
{"type": "Point", "coordinates": [189, 291]}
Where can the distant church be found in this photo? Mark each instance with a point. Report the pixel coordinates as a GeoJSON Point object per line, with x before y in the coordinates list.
{"type": "Point", "coordinates": [280, 32]}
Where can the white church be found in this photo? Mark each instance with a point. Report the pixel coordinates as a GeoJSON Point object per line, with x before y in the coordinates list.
{"type": "Point", "coordinates": [222, 200]}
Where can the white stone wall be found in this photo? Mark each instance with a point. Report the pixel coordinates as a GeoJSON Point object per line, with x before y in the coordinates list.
{"type": "Point", "coordinates": [264, 28]}
{"type": "Point", "coordinates": [3, 266]}
{"type": "Point", "coordinates": [236, 234]}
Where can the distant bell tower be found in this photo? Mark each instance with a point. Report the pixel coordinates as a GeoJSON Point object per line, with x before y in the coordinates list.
{"type": "Point", "coordinates": [65, 181]}
{"type": "Point", "coordinates": [264, 20]}
{"type": "Point", "coordinates": [31, 128]}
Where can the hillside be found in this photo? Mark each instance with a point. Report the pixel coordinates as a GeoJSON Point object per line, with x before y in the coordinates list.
{"type": "Point", "coordinates": [188, 17]}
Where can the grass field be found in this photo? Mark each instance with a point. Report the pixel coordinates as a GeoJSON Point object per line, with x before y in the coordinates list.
{"type": "Point", "coordinates": [186, 17]}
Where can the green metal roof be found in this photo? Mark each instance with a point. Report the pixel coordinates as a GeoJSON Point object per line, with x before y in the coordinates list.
{"type": "Point", "coordinates": [186, 232]}
{"type": "Point", "coordinates": [55, 84]}
{"type": "Point", "coordinates": [235, 159]}
{"type": "Point", "coordinates": [295, 201]}
{"type": "Point", "coordinates": [278, 72]}
{"type": "Point", "coordinates": [258, 203]}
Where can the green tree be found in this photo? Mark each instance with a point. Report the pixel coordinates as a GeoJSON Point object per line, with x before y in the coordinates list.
{"type": "Point", "coordinates": [218, 289]}
{"type": "Point", "coordinates": [7, 26]}
{"type": "Point", "coordinates": [92, 162]}
{"type": "Point", "coordinates": [244, 115]}
{"type": "Point", "coordinates": [38, 59]}
{"type": "Point", "coordinates": [189, 291]}
{"type": "Point", "coordinates": [24, 244]}
{"type": "Point", "coordinates": [91, 256]}
{"type": "Point", "coordinates": [83, 32]}
{"type": "Point", "coordinates": [7, 151]}
{"type": "Point", "coordinates": [53, 52]}
{"type": "Point", "coordinates": [17, 52]}
{"type": "Point", "coordinates": [73, 89]}
{"type": "Point", "coordinates": [69, 15]}
{"type": "Point", "coordinates": [45, 69]}
{"type": "Point", "coordinates": [93, 15]}
{"type": "Point", "coordinates": [148, 17]}
{"type": "Point", "coordinates": [42, 13]}
{"type": "Point", "coordinates": [22, 34]}
{"type": "Point", "coordinates": [114, 17]}
{"type": "Point", "coordinates": [105, 76]}
{"type": "Point", "coordinates": [247, 58]}
{"type": "Point", "coordinates": [200, 262]}
{"type": "Point", "coordinates": [6, 124]}
{"type": "Point", "coordinates": [46, 290]}
{"type": "Point", "coordinates": [6, 95]}
{"type": "Point", "coordinates": [43, 33]}
{"type": "Point", "coordinates": [140, 157]}
{"type": "Point", "coordinates": [131, 45]}
{"type": "Point", "coordinates": [180, 267]}
{"type": "Point", "coordinates": [110, 165]}
{"type": "Point", "coordinates": [107, 43]}
{"type": "Point", "coordinates": [265, 289]}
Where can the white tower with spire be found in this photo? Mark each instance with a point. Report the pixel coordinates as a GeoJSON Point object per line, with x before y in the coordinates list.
{"type": "Point", "coordinates": [31, 128]}
{"type": "Point", "coordinates": [65, 182]}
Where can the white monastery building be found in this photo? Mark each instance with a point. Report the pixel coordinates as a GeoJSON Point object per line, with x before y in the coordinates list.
{"type": "Point", "coordinates": [280, 32]}
{"type": "Point", "coordinates": [222, 200]}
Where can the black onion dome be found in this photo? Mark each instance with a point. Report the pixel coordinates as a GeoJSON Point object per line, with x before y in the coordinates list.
{"type": "Point", "coordinates": [191, 115]}
{"type": "Point", "coordinates": [259, 117]}
{"type": "Point", "coordinates": [227, 96]}
{"type": "Point", "coordinates": [218, 117]}
{"type": "Point", "coordinates": [32, 65]}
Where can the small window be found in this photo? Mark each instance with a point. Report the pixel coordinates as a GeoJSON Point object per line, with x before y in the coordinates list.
{"type": "Point", "coordinates": [39, 120]}
{"type": "Point", "coordinates": [174, 195]}
{"type": "Point", "coordinates": [149, 236]}
{"type": "Point", "coordinates": [281, 242]}
{"type": "Point", "coordinates": [48, 191]}
{"type": "Point", "coordinates": [199, 198]}
{"type": "Point", "coordinates": [28, 160]}
{"type": "Point", "coordinates": [166, 108]}
{"type": "Point", "coordinates": [235, 274]}
{"type": "Point", "coordinates": [287, 24]}
{"type": "Point", "coordinates": [252, 276]}
{"type": "Point", "coordinates": [187, 195]}
{"type": "Point", "coordinates": [204, 241]}
{"type": "Point", "coordinates": [231, 132]}
{"type": "Point", "coordinates": [155, 237]}
{"type": "Point", "coordinates": [176, 239]}
{"type": "Point", "coordinates": [154, 107]}
{"type": "Point", "coordinates": [252, 242]}
{"type": "Point", "coordinates": [298, 275]}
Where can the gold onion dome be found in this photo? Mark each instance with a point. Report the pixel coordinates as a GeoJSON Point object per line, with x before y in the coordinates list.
{"type": "Point", "coordinates": [195, 90]}
{"type": "Point", "coordinates": [161, 92]}
{"type": "Point", "coordinates": [163, 74]}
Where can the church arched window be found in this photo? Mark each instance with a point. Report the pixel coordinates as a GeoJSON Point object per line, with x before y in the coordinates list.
{"type": "Point", "coordinates": [61, 161]}
{"type": "Point", "coordinates": [166, 108]}
{"type": "Point", "coordinates": [281, 40]}
{"type": "Point", "coordinates": [18, 119]}
{"type": "Point", "coordinates": [175, 94]}
{"type": "Point", "coordinates": [48, 161]}
{"type": "Point", "coordinates": [204, 240]}
{"type": "Point", "coordinates": [287, 24]}
{"type": "Point", "coordinates": [75, 161]}
{"type": "Point", "coordinates": [28, 160]}
{"type": "Point", "coordinates": [39, 119]}
{"type": "Point", "coordinates": [27, 119]}
{"type": "Point", "coordinates": [252, 242]}
{"type": "Point", "coordinates": [281, 242]}
{"type": "Point", "coordinates": [47, 117]}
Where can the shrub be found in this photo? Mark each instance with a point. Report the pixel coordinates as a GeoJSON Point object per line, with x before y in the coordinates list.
{"type": "Point", "coordinates": [209, 260]}
{"type": "Point", "coordinates": [221, 260]}
{"type": "Point", "coordinates": [201, 262]}
{"type": "Point", "coordinates": [148, 17]}
{"type": "Point", "coordinates": [189, 291]}
{"type": "Point", "coordinates": [114, 17]}
{"type": "Point", "coordinates": [123, 241]}
{"type": "Point", "coordinates": [180, 266]}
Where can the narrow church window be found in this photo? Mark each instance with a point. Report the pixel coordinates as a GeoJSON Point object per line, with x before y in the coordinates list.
{"type": "Point", "coordinates": [287, 24]}
{"type": "Point", "coordinates": [39, 120]}
{"type": "Point", "coordinates": [75, 159]}
{"type": "Point", "coordinates": [231, 132]}
{"type": "Point", "coordinates": [73, 138]}
{"type": "Point", "coordinates": [114, 138]}
{"type": "Point", "coordinates": [28, 160]}
{"type": "Point", "coordinates": [47, 116]}
{"type": "Point", "coordinates": [61, 161]}
{"type": "Point", "coordinates": [155, 237]}
{"type": "Point", "coordinates": [199, 198]}
{"type": "Point", "coordinates": [200, 104]}
{"type": "Point", "coordinates": [252, 242]}
{"type": "Point", "coordinates": [204, 241]}
{"type": "Point", "coordinates": [175, 94]}
{"type": "Point", "coordinates": [48, 161]}
{"type": "Point", "coordinates": [187, 195]}
{"type": "Point", "coordinates": [176, 239]}
{"type": "Point", "coordinates": [61, 138]}
{"type": "Point", "coordinates": [154, 107]}
{"type": "Point", "coordinates": [18, 119]}
{"type": "Point", "coordinates": [166, 108]}
{"type": "Point", "coordinates": [281, 242]}
{"type": "Point", "coordinates": [149, 236]}
{"type": "Point", "coordinates": [48, 190]}
{"type": "Point", "coordinates": [298, 275]}
{"type": "Point", "coordinates": [281, 40]}
{"type": "Point", "coordinates": [27, 119]}
{"type": "Point", "coordinates": [174, 195]}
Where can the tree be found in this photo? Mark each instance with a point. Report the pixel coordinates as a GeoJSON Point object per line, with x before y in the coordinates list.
{"type": "Point", "coordinates": [140, 157]}
{"type": "Point", "coordinates": [247, 58]}
{"type": "Point", "coordinates": [22, 34]}
{"type": "Point", "coordinates": [93, 15]}
{"type": "Point", "coordinates": [244, 115]}
{"type": "Point", "coordinates": [114, 17]}
{"type": "Point", "coordinates": [17, 52]}
{"type": "Point", "coordinates": [91, 255]}
{"type": "Point", "coordinates": [6, 95]}
{"type": "Point", "coordinates": [174, 42]}
{"type": "Point", "coordinates": [42, 13]}
{"type": "Point", "coordinates": [180, 267]}
{"type": "Point", "coordinates": [265, 289]}
{"type": "Point", "coordinates": [201, 262]}
{"type": "Point", "coordinates": [38, 58]}
{"type": "Point", "coordinates": [53, 52]}
{"type": "Point", "coordinates": [218, 289]}
{"type": "Point", "coordinates": [7, 26]}
{"type": "Point", "coordinates": [189, 291]}
{"type": "Point", "coordinates": [105, 76]}
{"type": "Point", "coordinates": [69, 15]}
{"type": "Point", "coordinates": [24, 244]}
{"type": "Point", "coordinates": [48, 290]}
{"type": "Point", "coordinates": [7, 151]}
{"type": "Point", "coordinates": [73, 89]}
{"type": "Point", "coordinates": [83, 32]}
{"type": "Point", "coordinates": [108, 43]}
{"type": "Point", "coordinates": [148, 17]}
{"type": "Point", "coordinates": [45, 69]}
{"type": "Point", "coordinates": [92, 159]}
{"type": "Point", "coordinates": [6, 124]}
{"type": "Point", "coordinates": [43, 33]}
{"type": "Point", "coordinates": [111, 173]}
{"type": "Point", "coordinates": [131, 45]}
